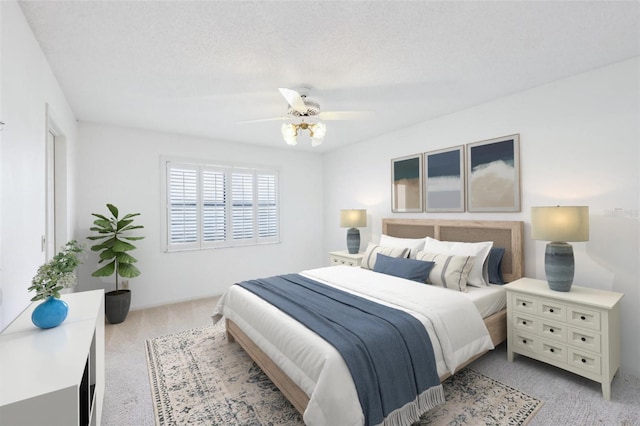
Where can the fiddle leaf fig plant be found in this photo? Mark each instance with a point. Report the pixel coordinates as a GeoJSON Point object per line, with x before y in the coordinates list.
{"type": "Point", "coordinates": [115, 234]}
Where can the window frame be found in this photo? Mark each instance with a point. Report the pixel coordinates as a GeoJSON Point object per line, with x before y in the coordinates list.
{"type": "Point", "coordinates": [229, 170]}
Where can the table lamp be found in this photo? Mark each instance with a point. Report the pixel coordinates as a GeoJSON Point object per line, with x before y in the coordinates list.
{"type": "Point", "coordinates": [560, 225]}
{"type": "Point", "coordinates": [353, 219]}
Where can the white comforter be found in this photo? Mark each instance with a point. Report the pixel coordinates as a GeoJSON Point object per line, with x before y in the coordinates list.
{"type": "Point", "coordinates": [454, 324]}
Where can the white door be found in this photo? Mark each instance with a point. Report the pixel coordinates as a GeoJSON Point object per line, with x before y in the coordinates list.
{"type": "Point", "coordinates": [2, 320]}
{"type": "Point", "coordinates": [50, 238]}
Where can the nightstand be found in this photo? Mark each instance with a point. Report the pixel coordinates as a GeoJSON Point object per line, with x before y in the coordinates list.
{"type": "Point", "coordinates": [578, 331]}
{"type": "Point", "coordinates": [345, 258]}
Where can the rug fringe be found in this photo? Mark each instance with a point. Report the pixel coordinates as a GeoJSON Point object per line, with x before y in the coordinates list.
{"type": "Point", "coordinates": [152, 362]}
{"type": "Point", "coordinates": [411, 412]}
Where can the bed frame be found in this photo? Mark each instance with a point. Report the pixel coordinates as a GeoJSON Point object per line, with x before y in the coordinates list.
{"type": "Point", "coordinates": [506, 234]}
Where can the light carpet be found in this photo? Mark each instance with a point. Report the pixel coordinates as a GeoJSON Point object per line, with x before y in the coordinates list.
{"type": "Point", "coordinates": [198, 378]}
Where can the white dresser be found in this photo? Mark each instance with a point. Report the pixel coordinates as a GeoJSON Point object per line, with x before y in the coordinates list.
{"type": "Point", "coordinates": [345, 258]}
{"type": "Point", "coordinates": [578, 331]}
{"type": "Point", "coordinates": [55, 376]}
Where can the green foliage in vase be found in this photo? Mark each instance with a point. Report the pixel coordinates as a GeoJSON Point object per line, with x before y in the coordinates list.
{"type": "Point", "coordinates": [58, 273]}
{"type": "Point", "coordinates": [113, 248]}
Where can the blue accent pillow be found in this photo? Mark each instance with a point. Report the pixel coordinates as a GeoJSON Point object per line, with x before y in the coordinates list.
{"type": "Point", "coordinates": [493, 264]}
{"type": "Point", "coordinates": [411, 269]}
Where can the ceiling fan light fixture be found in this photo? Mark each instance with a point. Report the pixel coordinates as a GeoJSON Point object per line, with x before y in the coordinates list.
{"type": "Point", "coordinates": [316, 131]}
{"type": "Point", "coordinates": [291, 141]}
{"type": "Point", "coordinates": [289, 133]}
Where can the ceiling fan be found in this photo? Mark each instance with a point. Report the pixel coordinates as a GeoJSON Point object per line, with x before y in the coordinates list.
{"type": "Point", "coordinates": [301, 108]}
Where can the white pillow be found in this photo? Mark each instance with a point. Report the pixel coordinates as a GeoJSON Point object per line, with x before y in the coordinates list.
{"type": "Point", "coordinates": [449, 271]}
{"type": "Point", "coordinates": [478, 277]}
{"type": "Point", "coordinates": [413, 244]}
{"type": "Point", "coordinates": [370, 255]}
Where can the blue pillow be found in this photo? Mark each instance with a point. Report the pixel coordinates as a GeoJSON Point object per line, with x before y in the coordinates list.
{"type": "Point", "coordinates": [493, 264]}
{"type": "Point", "coordinates": [411, 269]}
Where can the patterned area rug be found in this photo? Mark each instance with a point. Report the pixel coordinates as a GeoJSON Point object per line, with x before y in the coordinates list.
{"type": "Point", "coordinates": [197, 378]}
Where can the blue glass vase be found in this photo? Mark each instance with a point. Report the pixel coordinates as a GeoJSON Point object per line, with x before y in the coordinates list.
{"type": "Point", "coordinates": [50, 313]}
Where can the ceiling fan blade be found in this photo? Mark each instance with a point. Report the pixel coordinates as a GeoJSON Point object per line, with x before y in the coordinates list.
{"type": "Point", "coordinates": [294, 99]}
{"type": "Point", "coordinates": [345, 115]}
{"type": "Point", "coordinates": [264, 120]}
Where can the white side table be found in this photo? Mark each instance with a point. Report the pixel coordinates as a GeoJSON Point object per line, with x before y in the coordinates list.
{"type": "Point", "coordinates": [55, 376]}
{"type": "Point", "coordinates": [578, 331]}
{"type": "Point", "coordinates": [345, 258]}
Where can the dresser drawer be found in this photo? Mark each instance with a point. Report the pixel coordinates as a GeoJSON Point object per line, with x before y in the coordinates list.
{"type": "Point", "coordinates": [552, 310]}
{"type": "Point", "coordinates": [525, 322]}
{"type": "Point", "coordinates": [555, 351]}
{"type": "Point", "coordinates": [583, 317]}
{"type": "Point", "coordinates": [553, 330]}
{"type": "Point", "coordinates": [345, 258]}
{"type": "Point", "coordinates": [524, 341]}
{"type": "Point", "coordinates": [583, 339]}
{"type": "Point", "coordinates": [584, 361]}
{"type": "Point", "coordinates": [341, 261]}
{"type": "Point", "coordinates": [524, 303]}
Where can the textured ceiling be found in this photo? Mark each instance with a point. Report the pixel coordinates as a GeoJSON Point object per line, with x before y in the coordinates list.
{"type": "Point", "coordinates": [197, 68]}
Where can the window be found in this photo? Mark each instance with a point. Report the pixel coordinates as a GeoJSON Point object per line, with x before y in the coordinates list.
{"type": "Point", "coordinates": [220, 206]}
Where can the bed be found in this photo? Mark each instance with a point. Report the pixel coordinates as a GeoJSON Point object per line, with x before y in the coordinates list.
{"type": "Point", "coordinates": [285, 355]}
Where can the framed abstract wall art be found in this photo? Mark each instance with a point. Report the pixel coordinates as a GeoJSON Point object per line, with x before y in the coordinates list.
{"type": "Point", "coordinates": [493, 175]}
{"type": "Point", "coordinates": [406, 184]}
{"type": "Point", "coordinates": [444, 180]}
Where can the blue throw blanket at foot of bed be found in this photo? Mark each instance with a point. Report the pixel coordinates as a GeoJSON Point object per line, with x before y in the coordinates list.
{"type": "Point", "coordinates": [387, 351]}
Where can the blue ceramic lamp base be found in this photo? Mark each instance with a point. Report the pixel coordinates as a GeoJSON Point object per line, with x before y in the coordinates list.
{"type": "Point", "coordinates": [353, 240]}
{"type": "Point", "coordinates": [559, 266]}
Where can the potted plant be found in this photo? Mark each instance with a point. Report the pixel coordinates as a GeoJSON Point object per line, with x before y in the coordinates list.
{"type": "Point", "coordinates": [57, 274]}
{"type": "Point", "coordinates": [113, 249]}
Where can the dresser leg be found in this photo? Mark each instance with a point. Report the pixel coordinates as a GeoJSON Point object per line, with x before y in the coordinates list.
{"type": "Point", "coordinates": [509, 355]}
{"type": "Point", "coordinates": [606, 390]}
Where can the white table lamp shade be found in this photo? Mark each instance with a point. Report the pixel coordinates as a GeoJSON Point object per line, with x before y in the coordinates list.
{"type": "Point", "coordinates": [560, 223]}
{"type": "Point", "coordinates": [353, 218]}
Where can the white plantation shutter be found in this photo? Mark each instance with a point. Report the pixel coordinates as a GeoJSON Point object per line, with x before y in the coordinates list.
{"type": "Point", "coordinates": [217, 206]}
{"type": "Point", "coordinates": [214, 207]}
{"type": "Point", "coordinates": [183, 206]}
{"type": "Point", "coordinates": [242, 205]}
{"type": "Point", "coordinates": [267, 205]}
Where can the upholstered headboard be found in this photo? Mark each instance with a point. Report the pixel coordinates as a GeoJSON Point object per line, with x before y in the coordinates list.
{"type": "Point", "coordinates": [506, 234]}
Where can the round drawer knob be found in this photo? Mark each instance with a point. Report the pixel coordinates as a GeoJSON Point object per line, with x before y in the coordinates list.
{"type": "Point", "coordinates": [584, 339]}
{"type": "Point", "coordinates": [584, 361]}
{"type": "Point", "coordinates": [582, 317]}
{"type": "Point", "coordinates": [551, 330]}
{"type": "Point", "coordinates": [524, 303]}
{"type": "Point", "coordinates": [524, 341]}
{"type": "Point", "coordinates": [552, 350]}
{"type": "Point", "coordinates": [524, 323]}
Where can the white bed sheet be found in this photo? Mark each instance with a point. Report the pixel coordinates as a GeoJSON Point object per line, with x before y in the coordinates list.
{"type": "Point", "coordinates": [488, 300]}
{"type": "Point", "coordinates": [453, 323]}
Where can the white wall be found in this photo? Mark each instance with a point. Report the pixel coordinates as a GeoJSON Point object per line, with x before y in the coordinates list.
{"type": "Point", "coordinates": [579, 145]}
{"type": "Point", "coordinates": [122, 166]}
{"type": "Point", "coordinates": [27, 87]}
